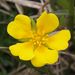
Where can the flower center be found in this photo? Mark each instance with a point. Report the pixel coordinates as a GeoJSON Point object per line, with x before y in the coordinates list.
{"type": "Point", "coordinates": [38, 40]}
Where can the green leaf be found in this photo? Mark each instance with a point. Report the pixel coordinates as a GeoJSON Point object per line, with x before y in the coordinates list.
{"type": "Point", "coordinates": [33, 24]}
{"type": "Point", "coordinates": [64, 3]}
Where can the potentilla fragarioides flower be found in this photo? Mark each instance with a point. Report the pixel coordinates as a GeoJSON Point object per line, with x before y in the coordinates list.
{"type": "Point", "coordinates": [37, 44]}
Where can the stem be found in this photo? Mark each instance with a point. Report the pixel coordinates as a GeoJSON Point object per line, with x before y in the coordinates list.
{"type": "Point", "coordinates": [3, 47]}
{"type": "Point", "coordinates": [69, 54]}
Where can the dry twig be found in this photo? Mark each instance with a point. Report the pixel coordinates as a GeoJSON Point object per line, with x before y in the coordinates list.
{"type": "Point", "coordinates": [19, 8]}
{"type": "Point", "coordinates": [4, 5]}
{"type": "Point", "coordinates": [6, 12]}
{"type": "Point", "coordinates": [27, 3]}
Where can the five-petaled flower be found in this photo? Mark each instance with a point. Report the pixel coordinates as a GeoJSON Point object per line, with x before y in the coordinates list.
{"type": "Point", "coordinates": [41, 48]}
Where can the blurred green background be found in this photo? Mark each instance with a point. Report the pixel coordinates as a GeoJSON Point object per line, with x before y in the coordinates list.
{"type": "Point", "coordinates": [10, 65]}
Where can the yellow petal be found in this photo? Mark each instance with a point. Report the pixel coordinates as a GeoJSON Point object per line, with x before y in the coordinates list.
{"type": "Point", "coordinates": [47, 23]}
{"type": "Point", "coordinates": [51, 56]}
{"type": "Point", "coordinates": [59, 41]}
{"type": "Point", "coordinates": [44, 56]}
{"type": "Point", "coordinates": [23, 50]}
{"type": "Point", "coordinates": [20, 27]}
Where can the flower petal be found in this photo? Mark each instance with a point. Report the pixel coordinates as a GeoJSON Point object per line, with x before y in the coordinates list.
{"type": "Point", "coordinates": [47, 23]}
{"type": "Point", "coordinates": [23, 50]}
{"type": "Point", "coordinates": [20, 27]}
{"type": "Point", "coordinates": [44, 56]}
{"type": "Point", "coordinates": [59, 41]}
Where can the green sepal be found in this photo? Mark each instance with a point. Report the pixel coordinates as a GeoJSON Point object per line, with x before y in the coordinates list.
{"type": "Point", "coordinates": [33, 24]}
{"type": "Point", "coordinates": [24, 39]}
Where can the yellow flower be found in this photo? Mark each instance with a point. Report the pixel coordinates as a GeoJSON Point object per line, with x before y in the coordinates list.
{"type": "Point", "coordinates": [41, 48]}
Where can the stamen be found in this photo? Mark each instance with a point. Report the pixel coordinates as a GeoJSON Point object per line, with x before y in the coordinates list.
{"type": "Point", "coordinates": [38, 40]}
